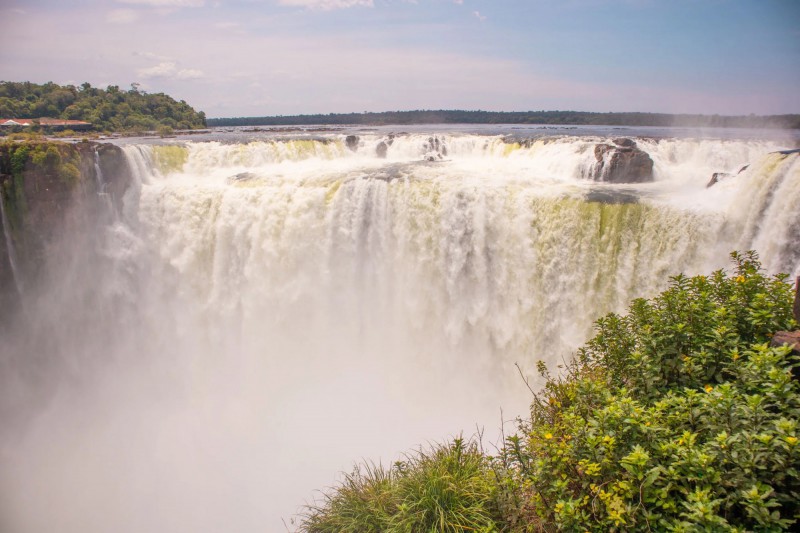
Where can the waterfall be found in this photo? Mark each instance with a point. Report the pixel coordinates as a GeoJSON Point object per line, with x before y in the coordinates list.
{"type": "Point", "coordinates": [105, 198]}
{"type": "Point", "coordinates": [263, 313]}
{"type": "Point", "coordinates": [11, 252]}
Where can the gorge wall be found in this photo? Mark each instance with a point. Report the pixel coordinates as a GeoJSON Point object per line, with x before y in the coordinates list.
{"type": "Point", "coordinates": [51, 189]}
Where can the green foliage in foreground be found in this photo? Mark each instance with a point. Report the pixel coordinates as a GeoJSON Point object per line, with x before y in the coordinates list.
{"type": "Point", "coordinates": [675, 417]}
{"type": "Point", "coordinates": [110, 109]}
{"type": "Point", "coordinates": [449, 488]}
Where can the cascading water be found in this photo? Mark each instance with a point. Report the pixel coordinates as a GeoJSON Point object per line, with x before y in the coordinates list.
{"type": "Point", "coordinates": [271, 311]}
{"type": "Point", "coordinates": [10, 250]}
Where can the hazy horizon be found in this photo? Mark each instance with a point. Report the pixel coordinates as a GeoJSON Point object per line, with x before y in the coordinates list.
{"type": "Point", "coordinates": [236, 58]}
{"type": "Point", "coordinates": [532, 111]}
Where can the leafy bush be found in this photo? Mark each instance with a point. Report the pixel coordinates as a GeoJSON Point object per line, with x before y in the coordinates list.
{"type": "Point", "coordinates": [675, 417]}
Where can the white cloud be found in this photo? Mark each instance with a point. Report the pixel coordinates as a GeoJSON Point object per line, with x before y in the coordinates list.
{"type": "Point", "coordinates": [165, 3]}
{"type": "Point", "coordinates": [169, 70]}
{"type": "Point", "coordinates": [165, 69]}
{"type": "Point", "coordinates": [122, 16]}
{"type": "Point", "coordinates": [479, 16]}
{"type": "Point", "coordinates": [327, 5]}
{"type": "Point", "coordinates": [189, 74]}
{"type": "Point", "coordinates": [459, 2]}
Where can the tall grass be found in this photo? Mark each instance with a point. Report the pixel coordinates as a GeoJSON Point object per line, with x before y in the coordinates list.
{"type": "Point", "coordinates": [447, 487]}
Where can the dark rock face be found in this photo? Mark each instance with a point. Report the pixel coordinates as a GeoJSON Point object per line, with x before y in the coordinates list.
{"type": "Point", "coordinates": [381, 149]}
{"type": "Point", "coordinates": [116, 172]}
{"type": "Point", "coordinates": [54, 190]}
{"type": "Point", "coordinates": [716, 177]}
{"type": "Point", "coordinates": [351, 141]}
{"type": "Point", "coordinates": [796, 308]}
{"type": "Point", "coordinates": [625, 143]}
{"type": "Point", "coordinates": [622, 162]}
{"type": "Point", "coordinates": [791, 338]}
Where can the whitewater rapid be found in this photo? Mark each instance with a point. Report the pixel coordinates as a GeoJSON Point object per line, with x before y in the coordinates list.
{"type": "Point", "coordinates": [271, 311]}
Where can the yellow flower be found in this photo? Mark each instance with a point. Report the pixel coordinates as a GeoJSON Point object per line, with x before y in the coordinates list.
{"type": "Point", "coordinates": [739, 279]}
{"type": "Point", "coordinates": [791, 440]}
{"type": "Point", "coordinates": [708, 388]}
{"type": "Point", "coordinates": [548, 436]}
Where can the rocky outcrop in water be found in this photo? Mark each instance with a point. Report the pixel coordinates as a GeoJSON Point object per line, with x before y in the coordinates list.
{"type": "Point", "coordinates": [351, 141]}
{"type": "Point", "coordinates": [716, 177]}
{"type": "Point", "coordinates": [382, 149]}
{"type": "Point", "coordinates": [622, 162]}
{"type": "Point", "coordinates": [435, 149]}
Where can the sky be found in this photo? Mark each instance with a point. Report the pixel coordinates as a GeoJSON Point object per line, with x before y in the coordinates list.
{"type": "Point", "coordinates": [283, 57]}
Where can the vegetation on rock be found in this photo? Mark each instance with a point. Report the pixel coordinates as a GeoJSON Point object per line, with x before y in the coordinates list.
{"type": "Point", "coordinates": [109, 109]}
{"type": "Point", "coordinates": [674, 417]}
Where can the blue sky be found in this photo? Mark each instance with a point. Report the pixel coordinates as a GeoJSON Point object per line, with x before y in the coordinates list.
{"type": "Point", "coordinates": [265, 57]}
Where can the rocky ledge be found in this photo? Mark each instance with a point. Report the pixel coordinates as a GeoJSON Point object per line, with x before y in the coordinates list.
{"type": "Point", "coordinates": [791, 338]}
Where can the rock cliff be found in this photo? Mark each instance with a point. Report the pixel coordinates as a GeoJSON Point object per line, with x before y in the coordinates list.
{"type": "Point", "coordinates": [49, 189]}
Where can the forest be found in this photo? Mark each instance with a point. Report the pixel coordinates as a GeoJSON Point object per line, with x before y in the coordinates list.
{"type": "Point", "coordinates": [109, 109]}
{"type": "Point", "coordinates": [579, 118]}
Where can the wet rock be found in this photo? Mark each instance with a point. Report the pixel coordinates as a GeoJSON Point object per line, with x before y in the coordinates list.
{"type": "Point", "coordinates": [624, 142]}
{"type": "Point", "coordinates": [242, 177]}
{"type": "Point", "coordinates": [116, 172]}
{"type": "Point", "coordinates": [351, 141]}
{"type": "Point", "coordinates": [622, 162]}
{"type": "Point", "coordinates": [796, 308]}
{"type": "Point", "coordinates": [435, 149]}
{"type": "Point", "coordinates": [790, 338]}
{"type": "Point", "coordinates": [716, 177]}
{"type": "Point", "coordinates": [381, 149]}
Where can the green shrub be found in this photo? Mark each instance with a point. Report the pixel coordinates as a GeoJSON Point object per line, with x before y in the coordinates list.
{"type": "Point", "coordinates": [675, 417]}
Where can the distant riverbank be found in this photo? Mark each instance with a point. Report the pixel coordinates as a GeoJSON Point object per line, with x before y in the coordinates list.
{"type": "Point", "coordinates": [577, 118]}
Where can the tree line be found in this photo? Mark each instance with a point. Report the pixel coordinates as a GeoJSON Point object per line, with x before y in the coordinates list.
{"type": "Point", "coordinates": [580, 118]}
{"type": "Point", "coordinates": [109, 109]}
